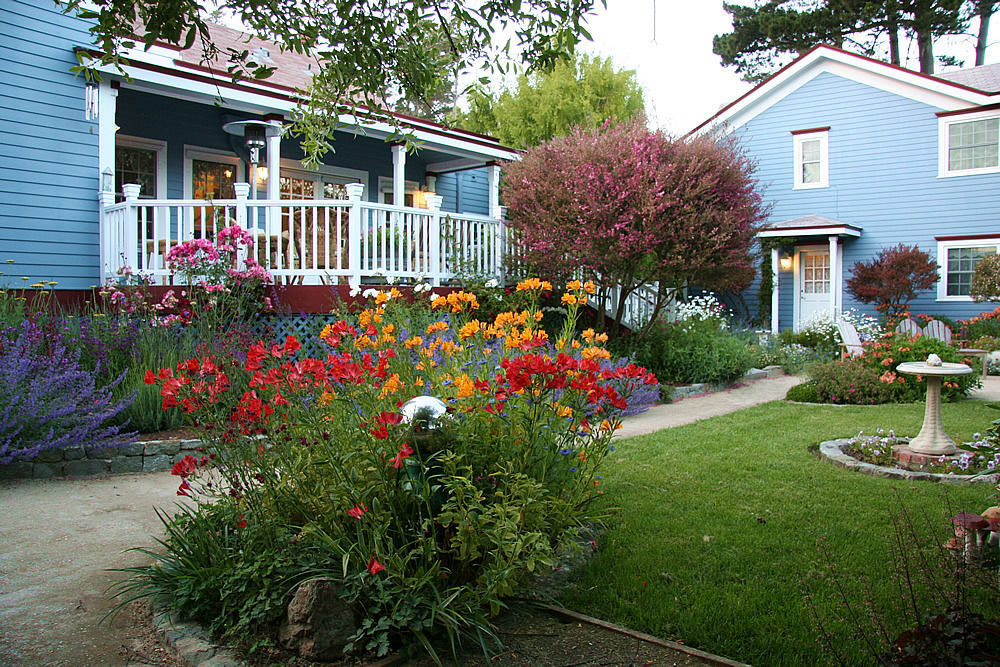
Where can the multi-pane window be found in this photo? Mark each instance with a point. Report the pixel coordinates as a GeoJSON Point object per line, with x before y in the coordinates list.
{"type": "Point", "coordinates": [812, 161]}
{"type": "Point", "coordinates": [816, 274]}
{"type": "Point", "coordinates": [961, 264]}
{"type": "Point", "coordinates": [135, 165]}
{"type": "Point", "coordinates": [212, 180]}
{"type": "Point", "coordinates": [974, 144]}
{"type": "Point", "coordinates": [811, 169]}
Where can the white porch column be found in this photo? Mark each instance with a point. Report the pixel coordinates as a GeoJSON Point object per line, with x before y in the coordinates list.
{"type": "Point", "coordinates": [107, 105]}
{"type": "Point", "coordinates": [775, 281]}
{"type": "Point", "coordinates": [834, 277]}
{"type": "Point", "coordinates": [493, 172]}
{"type": "Point", "coordinates": [398, 174]}
{"type": "Point", "coordinates": [273, 160]}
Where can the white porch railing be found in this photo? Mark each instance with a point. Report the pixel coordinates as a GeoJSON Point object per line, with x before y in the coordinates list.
{"type": "Point", "coordinates": [306, 241]}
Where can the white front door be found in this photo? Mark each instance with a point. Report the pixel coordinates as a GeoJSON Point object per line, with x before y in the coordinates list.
{"type": "Point", "coordinates": [814, 284]}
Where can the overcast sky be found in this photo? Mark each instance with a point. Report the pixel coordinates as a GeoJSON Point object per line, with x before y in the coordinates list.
{"type": "Point", "coordinates": [684, 81]}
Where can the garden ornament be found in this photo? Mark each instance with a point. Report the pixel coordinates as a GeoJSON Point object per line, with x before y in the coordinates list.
{"type": "Point", "coordinates": [424, 414]}
{"type": "Point", "coordinates": [933, 360]}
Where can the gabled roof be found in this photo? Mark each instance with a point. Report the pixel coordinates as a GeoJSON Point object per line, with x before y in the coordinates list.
{"type": "Point", "coordinates": [809, 225]}
{"type": "Point", "coordinates": [166, 69]}
{"type": "Point", "coordinates": [984, 77]}
{"type": "Point", "coordinates": [937, 91]}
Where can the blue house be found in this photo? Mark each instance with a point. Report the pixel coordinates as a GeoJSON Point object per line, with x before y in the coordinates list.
{"type": "Point", "coordinates": [98, 176]}
{"type": "Point", "coordinates": [856, 155]}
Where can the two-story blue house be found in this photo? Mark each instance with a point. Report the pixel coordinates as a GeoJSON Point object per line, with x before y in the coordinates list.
{"type": "Point", "coordinates": [205, 151]}
{"type": "Point", "coordinates": [856, 155]}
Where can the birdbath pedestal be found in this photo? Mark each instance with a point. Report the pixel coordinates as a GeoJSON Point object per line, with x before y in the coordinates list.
{"type": "Point", "coordinates": [932, 442]}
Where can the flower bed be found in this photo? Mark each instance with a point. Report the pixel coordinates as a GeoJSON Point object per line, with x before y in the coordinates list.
{"type": "Point", "coordinates": [426, 520]}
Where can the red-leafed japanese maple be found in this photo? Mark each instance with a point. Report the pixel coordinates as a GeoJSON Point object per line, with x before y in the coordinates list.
{"type": "Point", "coordinates": [633, 207]}
{"type": "Point", "coordinates": [892, 279]}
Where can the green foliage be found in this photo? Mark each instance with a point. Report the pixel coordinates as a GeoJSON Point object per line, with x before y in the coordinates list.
{"type": "Point", "coordinates": [984, 324]}
{"type": "Point", "coordinates": [804, 393]}
{"type": "Point", "coordinates": [368, 52]}
{"type": "Point", "coordinates": [986, 279]}
{"type": "Point", "coordinates": [871, 378]}
{"type": "Point", "coordinates": [692, 352]}
{"type": "Point", "coordinates": [585, 92]}
{"type": "Point", "coordinates": [766, 35]}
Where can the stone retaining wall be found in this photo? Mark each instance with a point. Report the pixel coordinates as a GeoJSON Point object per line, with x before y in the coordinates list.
{"type": "Point", "coordinates": [80, 461]}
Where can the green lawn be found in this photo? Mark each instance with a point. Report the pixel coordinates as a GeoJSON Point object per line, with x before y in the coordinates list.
{"type": "Point", "coordinates": [715, 526]}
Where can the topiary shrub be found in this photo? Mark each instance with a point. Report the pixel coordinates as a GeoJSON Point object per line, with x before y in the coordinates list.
{"type": "Point", "coordinates": [804, 393]}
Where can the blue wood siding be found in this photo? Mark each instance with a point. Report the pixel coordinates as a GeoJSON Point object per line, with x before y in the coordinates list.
{"type": "Point", "coordinates": [883, 157]}
{"type": "Point", "coordinates": [48, 150]}
{"type": "Point", "coordinates": [465, 191]}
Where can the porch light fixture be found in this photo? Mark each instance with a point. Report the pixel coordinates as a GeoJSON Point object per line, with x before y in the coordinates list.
{"type": "Point", "coordinates": [107, 180]}
{"type": "Point", "coordinates": [785, 262]}
{"type": "Point", "coordinates": [255, 133]}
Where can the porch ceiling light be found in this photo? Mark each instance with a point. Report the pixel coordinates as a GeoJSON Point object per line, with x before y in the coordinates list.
{"type": "Point", "coordinates": [785, 263]}
{"type": "Point", "coordinates": [255, 133]}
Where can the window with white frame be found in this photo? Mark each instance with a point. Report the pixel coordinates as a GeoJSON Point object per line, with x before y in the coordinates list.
{"type": "Point", "coordinates": [812, 158]}
{"type": "Point", "coordinates": [140, 161]}
{"type": "Point", "coordinates": [969, 144]}
{"type": "Point", "coordinates": [957, 260]}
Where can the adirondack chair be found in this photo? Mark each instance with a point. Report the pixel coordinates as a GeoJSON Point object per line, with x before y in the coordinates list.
{"type": "Point", "coordinates": [850, 341]}
{"type": "Point", "coordinates": [938, 329]}
{"type": "Point", "coordinates": [909, 327]}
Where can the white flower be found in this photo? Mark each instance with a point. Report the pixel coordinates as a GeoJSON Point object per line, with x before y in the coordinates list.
{"type": "Point", "coordinates": [433, 296]}
{"type": "Point", "coordinates": [391, 280]}
{"type": "Point", "coordinates": [492, 282]}
{"type": "Point", "coordinates": [370, 293]}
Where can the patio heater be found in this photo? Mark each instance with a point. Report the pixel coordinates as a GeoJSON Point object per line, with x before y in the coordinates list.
{"type": "Point", "coordinates": [255, 133]}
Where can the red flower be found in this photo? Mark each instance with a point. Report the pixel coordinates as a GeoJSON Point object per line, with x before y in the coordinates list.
{"type": "Point", "coordinates": [404, 452]}
{"type": "Point", "coordinates": [357, 511]}
{"type": "Point", "coordinates": [374, 566]}
{"type": "Point", "coordinates": [243, 522]}
{"type": "Point", "coordinates": [183, 489]}
{"type": "Point", "coordinates": [185, 466]}
{"type": "Point", "coordinates": [149, 378]}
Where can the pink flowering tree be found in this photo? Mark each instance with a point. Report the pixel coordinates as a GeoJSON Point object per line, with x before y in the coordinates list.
{"type": "Point", "coordinates": [633, 207]}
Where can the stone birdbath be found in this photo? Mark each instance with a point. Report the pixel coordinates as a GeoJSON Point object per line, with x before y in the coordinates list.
{"type": "Point", "coordinates": [932, 442]}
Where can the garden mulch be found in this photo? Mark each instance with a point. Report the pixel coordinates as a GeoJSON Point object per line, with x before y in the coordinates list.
{"type": "Point", "coordinates": [59, 538]}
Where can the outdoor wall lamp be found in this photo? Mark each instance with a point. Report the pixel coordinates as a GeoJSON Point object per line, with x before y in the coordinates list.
{"type": "Point", "coordinates": [785, 262]}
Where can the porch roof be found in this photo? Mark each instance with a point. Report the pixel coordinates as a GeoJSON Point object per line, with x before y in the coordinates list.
{"type": "Point", "coordinates": [809, 225]}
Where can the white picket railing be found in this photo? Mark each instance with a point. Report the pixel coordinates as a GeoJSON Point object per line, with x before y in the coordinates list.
{"type": "Point", "coordinates": [306, 241]}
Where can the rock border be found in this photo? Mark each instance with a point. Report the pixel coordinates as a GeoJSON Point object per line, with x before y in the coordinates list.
{"type": "Point", "coordinates": [832, 451]}
{"type": "Point", "coordinates": [139, 456]}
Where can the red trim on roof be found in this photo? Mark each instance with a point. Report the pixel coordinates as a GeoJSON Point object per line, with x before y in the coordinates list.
{"type": "Point", "coordinates": [958, 112]}
{"type": "Point", "coordinates": [811, 130]}
{"type": "Point", "coordinates": [966, 237]}
{"type": "Point", "coordinates": [215, 71]}
{"type": "Point", "coordinates": [834, 48]}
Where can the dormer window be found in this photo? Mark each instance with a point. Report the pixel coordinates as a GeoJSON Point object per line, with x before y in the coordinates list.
{"type": "Point", "coordinates": [812, 158]}
{"type": "Point", "coordinates": [969, 143]}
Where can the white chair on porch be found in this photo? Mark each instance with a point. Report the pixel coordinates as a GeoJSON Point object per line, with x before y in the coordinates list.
{"type": "Point", "coordinates": [849, 340]}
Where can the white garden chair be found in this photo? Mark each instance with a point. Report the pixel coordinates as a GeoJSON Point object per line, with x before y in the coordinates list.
{"type": "Point", "coordinates": [938, 329]}
{"type": "Point", "coordinates": [909, 327]}
{"type": "Point", "coordinates": [849, 340]}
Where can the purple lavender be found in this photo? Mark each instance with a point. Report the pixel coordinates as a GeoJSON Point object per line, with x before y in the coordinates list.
{"type": "Point", "coordinates": [47, 401]}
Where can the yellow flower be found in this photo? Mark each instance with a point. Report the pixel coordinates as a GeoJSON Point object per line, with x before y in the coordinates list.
{"type": "Point", "coordinates": [466, 387]}
{"type": "Point", "coordinates": [569, 299]}
{"type": "Point", "coordinates": [595, 353]}
{"type": "Point", "coordinates": [437, 326]}
{"type": "Point", "coordinates": [439, 302]}
{"type": "Point", "coordinates": [573, 285]}
{"type": "Point", "coordinates": [391, 386]}
{"type": "Point", "coordinates": [448, 347]}
{"type": "Point", "coordinates": [562, 410]}
{"type": "Point", "coordinates": [415, 341]}
{"type": "Point", "coordinates": [534, 284]}
{"type": "Point", "coordinates": [419, 382]}
{"type": "Point", "coordinates": [327, 397]}
{"type": "Point", "coordinates": [610, 425]}
{"type": "Point", "coordinates": [470, 329]}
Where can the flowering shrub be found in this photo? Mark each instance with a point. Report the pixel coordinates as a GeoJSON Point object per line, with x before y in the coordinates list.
{"type": "Point", "coordinates": [429, 519]}
{"type": "Point", "coordinates": [820, 332]}
{"type": "Point", "coordinates": [703, 308]}
{"type": "Point", "coordinates": [871, 378]}
{"type": "Point", "coordinates": [983, 324]}
{"type": "Point", "coordinates": [792, 357]}
{"type": "Point", "coordinates": [47, 401]}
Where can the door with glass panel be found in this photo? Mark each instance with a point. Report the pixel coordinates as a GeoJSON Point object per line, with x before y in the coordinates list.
{"type": "Point", "coordinates": [814, 284]}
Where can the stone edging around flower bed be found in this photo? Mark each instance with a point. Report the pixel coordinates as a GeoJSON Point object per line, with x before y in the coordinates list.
{"type": "Point", "coordinates": [140, 456]}
{"type": "Point", "coordinates": [832, 451]}
{"type": "Point", "coordinates": [192, 645]}
{"type": "Point", "coordinates": [688, 390]}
